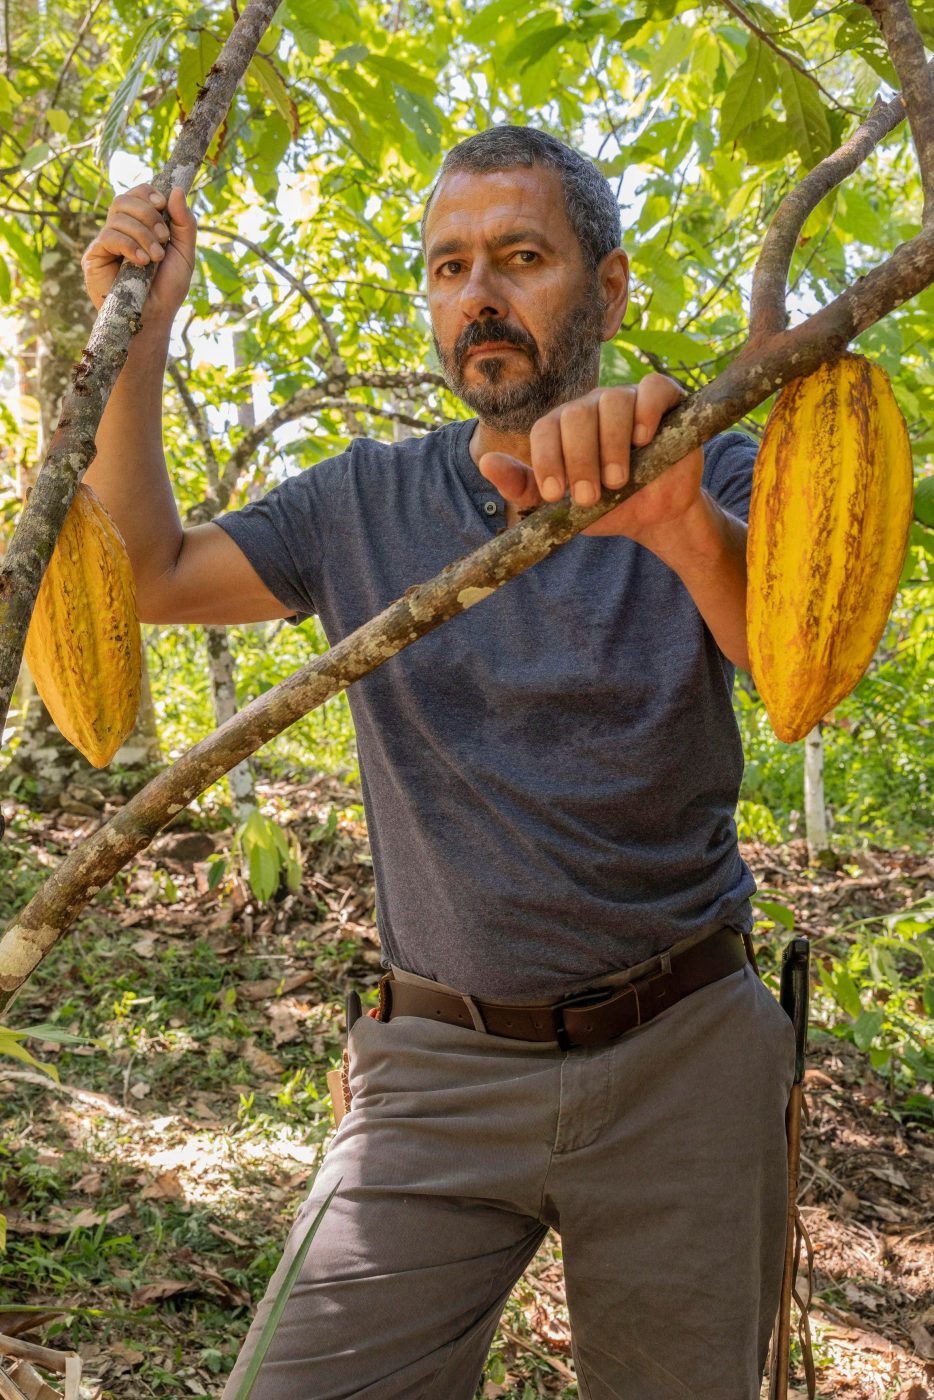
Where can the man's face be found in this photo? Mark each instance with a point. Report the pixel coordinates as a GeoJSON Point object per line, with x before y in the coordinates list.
{"type": "Point", "coordinates": [517, 317]}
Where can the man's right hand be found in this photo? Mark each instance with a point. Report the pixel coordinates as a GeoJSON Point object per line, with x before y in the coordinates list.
{"type": "Point", "coordinates": [137, 229]}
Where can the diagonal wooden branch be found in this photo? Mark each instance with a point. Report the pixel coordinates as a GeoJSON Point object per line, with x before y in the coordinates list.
{"type": "Point", "coordinates": [72, 447]}
{"type": "Point", "coordinates": [751, 378]}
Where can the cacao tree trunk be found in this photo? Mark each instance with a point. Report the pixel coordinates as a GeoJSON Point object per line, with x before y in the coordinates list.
{"type": "Point", "coordinates": [220, 658]}
{"type": "Point", "coordinates": [815, 810]}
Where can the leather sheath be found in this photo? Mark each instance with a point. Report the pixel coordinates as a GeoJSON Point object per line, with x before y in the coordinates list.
{"type": "Point", "coordinates": [587, 1018]}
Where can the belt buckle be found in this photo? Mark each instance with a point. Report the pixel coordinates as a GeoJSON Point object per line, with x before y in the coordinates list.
{"type": "Point", "coordinates": [592, 998]}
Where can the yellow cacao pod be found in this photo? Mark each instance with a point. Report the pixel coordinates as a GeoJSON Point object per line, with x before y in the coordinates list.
{"type": "Point", "coordinates": [83, 644]}
{"type": "Point", "coordinates": [828, 530]}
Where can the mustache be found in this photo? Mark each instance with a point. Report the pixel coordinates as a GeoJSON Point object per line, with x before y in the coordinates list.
{"type": "Point", "coordinates": [483, 332]}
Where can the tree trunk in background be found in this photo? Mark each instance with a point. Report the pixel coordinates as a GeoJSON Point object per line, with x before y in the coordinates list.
{"type": "Point", "coordinates": [815, 811]}
{"type": "Point", "coordinates": [220, 658]}
{"type": "Point", "coordinates": [50, 343]}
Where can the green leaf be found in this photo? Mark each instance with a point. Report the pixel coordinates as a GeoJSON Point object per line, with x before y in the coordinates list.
{"type": "Point", "coordinates": [10, 1045]}
{"type": "Point", "coordinates": [921, 538]}
{"type": "Point", "coordinates": [772, 909]}
{"type": "Point", "coordinates": [846, 994]}
{"type": "Point", "coordinates": [797, 9]}
{"type": "Point", "coordinates": [6, 283]}
{"type": "Point", "coordinates": [924, 502]}
{"type": "Point", "coordinates": [58, 120]}
{"type": "Point", "coordinates": [385, 66]}
{"type": "Point", "coordinates": [263, 72]}
{"type": "Point", "coordinates": [10, 99]}
{"type": "Point", "coordinates": [807, 119]}
{"type": "Point", "coordinates": [264, 873]}
{"type": "Point", "coordinates": [534, 47]}
{"type": "Point", "coordinates": [487, 20]}
{"type": "Point", "coordinates": [868, 1025]}
{"type": "Point", "coordinates": [126, 94]}
{"type": "Point", "coordinates": [216, 873]}
{"type": "Point", "coordinates": [245, 1388]}
{"type": "Point", "coordinates": [34, 156]}
{"type": "Point", "coordinates": [766, 141]}
{"type": "Point", "coordinates": [748, 92]}
{"type": "Point", "coordinates": [670, 346]}
{"type": "Point", "coordinates": [223, 272]}
{"type": "Point", "coordinates": [421, 118]}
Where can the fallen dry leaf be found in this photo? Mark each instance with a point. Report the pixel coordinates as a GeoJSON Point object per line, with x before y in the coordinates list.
{"type": "Point", "coordinates": [140, 1089]}
{"type": "Point", "coordinates": [130, 1354]}
{"type": "Point", "coordinates": [273, 986]}
{"type": "Point", "coordinates": [167, 1186]}
{"type": "Point", "coordinates": [261, 1060]}
{"type": "Point", "coordinates": [161, 1288]}
{"type": "Point", "coordinates": [285, 1021]}
{"type": "Point", "coordinates": [86, 1219]}
{"type": "Point", "coordinates": [922, 1340]}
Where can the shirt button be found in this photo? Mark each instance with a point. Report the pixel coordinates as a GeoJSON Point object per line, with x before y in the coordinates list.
{"type": "Point", "coordinates": [490, 507]}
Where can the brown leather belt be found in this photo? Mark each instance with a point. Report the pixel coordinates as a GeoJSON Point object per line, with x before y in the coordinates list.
{"type": "Point", "coordinates": [587, 1018]}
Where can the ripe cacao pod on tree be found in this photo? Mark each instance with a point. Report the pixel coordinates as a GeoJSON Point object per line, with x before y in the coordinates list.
{"type": "Point", "coordinates": [83, 644]}
{"type": "Point", "coordinates": [828, 530]}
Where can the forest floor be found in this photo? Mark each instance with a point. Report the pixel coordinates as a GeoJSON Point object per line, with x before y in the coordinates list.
{"type": "Point", "coordinates": [148, 1194]}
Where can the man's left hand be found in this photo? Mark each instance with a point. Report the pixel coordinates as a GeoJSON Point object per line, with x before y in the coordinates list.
{"type": "Point", "coordinates": [583, 446]}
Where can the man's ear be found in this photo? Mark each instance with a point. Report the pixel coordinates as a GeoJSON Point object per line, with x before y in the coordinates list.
{"type": "Point", "coordinates": [613, 273]}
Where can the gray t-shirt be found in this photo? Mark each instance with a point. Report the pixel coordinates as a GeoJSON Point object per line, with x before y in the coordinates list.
{"type": "Point", "coordinates": [549, 778]}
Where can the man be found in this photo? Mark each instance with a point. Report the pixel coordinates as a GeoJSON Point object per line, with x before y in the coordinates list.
{"type": "Point", "coordinates": [550, 781]}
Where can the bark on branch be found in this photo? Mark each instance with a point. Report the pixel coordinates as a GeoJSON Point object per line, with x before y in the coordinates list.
{"type": "Point", "coordinates": [72, 448]}
{"type": "Point", "coordinates": [760, 369]}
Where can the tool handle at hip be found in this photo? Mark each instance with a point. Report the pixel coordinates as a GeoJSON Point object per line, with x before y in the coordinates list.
{"type": "Point", "coordinates": [794, 995]}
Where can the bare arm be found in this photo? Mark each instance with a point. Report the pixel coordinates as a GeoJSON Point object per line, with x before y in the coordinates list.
{"type": "Point", "coordinates": [194, 575]}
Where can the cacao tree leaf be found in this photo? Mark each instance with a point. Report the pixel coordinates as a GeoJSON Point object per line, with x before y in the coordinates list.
{"type": "Point", "coordinates": [924, 502]}
{"type": "Point", "coordinates": [126, 94]}
{"type": "Point", "coordinates": [797, 9]}
{"type": "Point", "coordinates": [807, 118]}
{"type": "Point", "coordinates": [268, 77]}
{"type": "Point", "coordinates": [766, 141]}
{"type": "Point", "coordinates": [533, 47]}
{"type": "Point", "coordinates": [868, 1025]}
{"type": "Point", "coordinates": [385, 65]}
{"type": "Point", "coordinates": [748, 91]}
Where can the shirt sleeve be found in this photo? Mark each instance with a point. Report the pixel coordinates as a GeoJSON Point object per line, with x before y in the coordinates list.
{"type": "Point", "coordinates": [728, 464]}
{"type": "Point", "coordinates": [285, 535]}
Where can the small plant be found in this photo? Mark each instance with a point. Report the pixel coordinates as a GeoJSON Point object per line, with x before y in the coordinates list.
{"type": "Point", "coordinates": [269, 856]}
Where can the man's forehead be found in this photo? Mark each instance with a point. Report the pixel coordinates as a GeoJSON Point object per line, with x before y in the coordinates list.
{"type": "Point", "coordinates": [473, 204]}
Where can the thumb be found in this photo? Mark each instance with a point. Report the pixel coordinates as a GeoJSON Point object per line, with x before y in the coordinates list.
{"type": "Point", "coordinates": [184, 224]}
{"type": "Point", "coordinates": [513, 479]}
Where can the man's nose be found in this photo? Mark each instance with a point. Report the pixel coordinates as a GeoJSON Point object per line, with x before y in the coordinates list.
{"type": "Point", "coordinates": [482, 297]}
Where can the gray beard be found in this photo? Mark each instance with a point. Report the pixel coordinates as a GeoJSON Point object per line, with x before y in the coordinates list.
{"type": "Point", "coordinates": [569, 369]}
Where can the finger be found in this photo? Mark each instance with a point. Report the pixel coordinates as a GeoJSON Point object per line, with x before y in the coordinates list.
{"type": "Point", "coordinates": [656, 394]}
{"type": "Point", "coordinates": [184, 224]}
{"type": "Point", "coordinates": [548, 458]}
{"type": "Point", "coordinates": [145, 237]}
{"type": "Point", "coordinates": [513, 479]}
{"type": "Point", "coordinates": [580, 443]}
{"type": "Point", "coordinates": [111, 245]}
{"type": "Point", "coordinates": [617, 406]}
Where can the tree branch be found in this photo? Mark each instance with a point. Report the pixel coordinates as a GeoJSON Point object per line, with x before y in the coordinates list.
{"type": "Point", "coordinates": [72, 446]}
{"type": "Point", "coordinates": [750, 379]}
{"type": "Point", "coordinates": [198, 422]}
{"type": "Point", "coordinates": [916, 79]}
{"type": "Point", "coordinates": [767, 310]}
{"type": "Point", "coordinates": [306, 400]}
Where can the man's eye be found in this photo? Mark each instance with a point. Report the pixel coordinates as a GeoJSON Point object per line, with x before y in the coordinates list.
{"type": "Point", "coordinates": [527, 255]}
{"type": "Point", "coordinates": [449, 269]}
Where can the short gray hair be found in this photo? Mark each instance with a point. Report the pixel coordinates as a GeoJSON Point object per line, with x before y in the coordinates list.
{"type": "Point", "coordinates": [588, 199]}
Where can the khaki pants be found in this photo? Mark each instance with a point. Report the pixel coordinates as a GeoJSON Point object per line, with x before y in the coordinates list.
{"type": "Point", "coordinates": [660, 1159]}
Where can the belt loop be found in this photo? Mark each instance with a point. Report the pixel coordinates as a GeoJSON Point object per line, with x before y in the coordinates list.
{"type": "Point", "coordinates": [475, 1016]}
{"type": "Point", "coordinates": [665, 964]}
{"type": "Point", "coordinates": [385, 997]}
